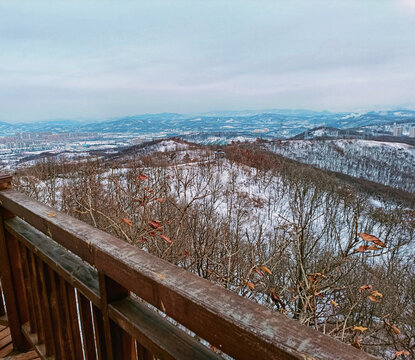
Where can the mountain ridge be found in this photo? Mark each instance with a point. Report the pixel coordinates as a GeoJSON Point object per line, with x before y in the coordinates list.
{"type": "Point", "coordinates": [275, 122]}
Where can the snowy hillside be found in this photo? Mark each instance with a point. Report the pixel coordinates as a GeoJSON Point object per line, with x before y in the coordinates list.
{"type": "Point", "coordinates": [283, 234]}
{"type": "Point", "coordinates": [391, 164]}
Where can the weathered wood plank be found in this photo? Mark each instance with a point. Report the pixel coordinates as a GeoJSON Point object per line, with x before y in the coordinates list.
{"type": "Point", "coordinates": [235, 325]}
{"type": "Point", "coordinates": [5, 340]}
{"type": "Point", "coordinates": [34, 341]}
{"type": "Point", "coordinates": [17, 273]}
{"type": "Point", "coordinates": [87, 327]}
{"type": "Point", "coordinates": [45, 308]}
{"type": "Point", "coordinates": [37, 298]}
{"type": "Point", "coordinates": [73, 311]}
{"type": "Point", "coordinates": [156, 334]}
{"type": "Point", "coordinates": [99, 333]}
{"type": "Point", "coordinates": [143, 353]}
{"type": "Point", "coordinates": [59, 316]}
{"type": "Point", "coordinates": [111, 291]}
{"type": "Point", "coordinates": [62, 347]}
{"type": "Point", "coordinates": [31, 355]}
{"type": "Point", "coordinates": [75, 271]}
{"type": "Point", "coordinates": [66, 316]}
{"type": "Point", "coordinates": [6, 350]}
{"type": "Point", "coordinates": [4, 332]}
{"type": "Point", "coordinates": [11, 291]}
{"type": "Point", "coordinates": [29, 290]}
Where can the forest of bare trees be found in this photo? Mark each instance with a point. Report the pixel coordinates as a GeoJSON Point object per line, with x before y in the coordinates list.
{"type": "Point", "coordinates": [288, 236]}
{"type": "Point", "coordinates": [391, 164]}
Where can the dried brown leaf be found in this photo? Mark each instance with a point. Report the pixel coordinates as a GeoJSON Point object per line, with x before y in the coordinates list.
{"type": "Point", "coordinates": [250, 285]}
{"type": "Point", "coordinates": [127, 221]}
{"type": "Point", "coordinates": [362, 248]}
{"type": "Point", "coordinates": [259, 271]}
{"type": "Point", "coordinates": [164, 237]}
{"type": "Point", "coordinates": [394, 328]}
{"type": "Point", "coordinates": [154, 224]}
{"type": "Point", "coordinates": [264, 268]}
{"type": "Point", "coordinates": [359, 328]}
{"type": "Point", "coordinates": [368, 237]}
{"type": "Point", "coordinates": [377, 294]}
{"type": "Point", "coordinates": [374, 299]}
{"type": "Point", "coordinates": [365, 287]}
{"type": "Point", "coordinates": [402, 352]}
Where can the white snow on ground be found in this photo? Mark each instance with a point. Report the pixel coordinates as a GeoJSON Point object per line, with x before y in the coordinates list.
{"type": "Point", "coordinates": [229, 188]}
{"type": "Point", "coordinates": [167, 145]}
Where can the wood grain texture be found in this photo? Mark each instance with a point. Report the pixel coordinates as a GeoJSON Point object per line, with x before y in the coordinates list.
{"type": "Point", "coordinates": [85, 315]}
{"type": "Point", "coordinates": [45, 307]}
{"type": "Point", "coordinates": [29, 290]}
{"type": "Point", "coordinates": [11, 290]}
{"type": "Point", "coordinates": [155, 334]}
{"type": "Point", "coordinates": [6, 349]}
{"type": "Point", "coordinates": [99, 333]}
{"type": "Point", "coordinates": [37, 297]}
{"type": "Point", "coordinates": [73, 313]}
{"type": "Point", "coordinates": [62, 347]}
{"type": "Point", "coordinates": [111, 291]}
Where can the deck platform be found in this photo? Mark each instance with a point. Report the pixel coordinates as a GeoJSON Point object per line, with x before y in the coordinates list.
{"type": "Point", "coordinates": [6, 348]}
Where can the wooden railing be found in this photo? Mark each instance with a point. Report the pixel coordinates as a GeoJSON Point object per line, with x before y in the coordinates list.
{"type": "Point", "coordinates": [74, 292]}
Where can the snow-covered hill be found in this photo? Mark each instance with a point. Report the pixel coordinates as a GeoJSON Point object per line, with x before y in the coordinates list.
{"type": "Point", "coordinates": [388, 163]}
{"type": "Point", "coordinates": [272, 230]}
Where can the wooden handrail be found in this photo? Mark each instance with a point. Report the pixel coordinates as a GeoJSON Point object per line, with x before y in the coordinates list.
{"type": "Point", "coordinates": [110, 277]}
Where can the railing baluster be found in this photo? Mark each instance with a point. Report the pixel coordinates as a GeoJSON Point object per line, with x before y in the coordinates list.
{"type": "Point", "coordinates": [143, 353]}
{"type": "Point", "coordinates": [65, 314]}
{"type": "Point", "coordinates": [37, 298]}
{"type": "Point", "coordinates": [17, 275]}
{"type": "Point", "coordinates": [73, 313]}
{"type": "Point", "coordinates": [62, 347]}
{"type": "Point", "coordinates": [87, 327]}
{"type": "Point", "coordinates": [99, 333]}
{"type": "Point", "coordinates": [119, 343]}
{"type": "Point", "coordinates": [56, 294]}
{"type": "Point", "coordinates": [11, 293]}
{"type": "Point", "coordinates": [46, 309]}
{"type": "Point", "coordinates": [29, 290]}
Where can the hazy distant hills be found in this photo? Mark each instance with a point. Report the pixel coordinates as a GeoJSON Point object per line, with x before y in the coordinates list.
{"type": "Point", "coordinates": [283, 123]}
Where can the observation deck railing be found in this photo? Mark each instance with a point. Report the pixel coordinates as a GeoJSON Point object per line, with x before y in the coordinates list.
{"type": "Point", "coordinates": [74, 292]}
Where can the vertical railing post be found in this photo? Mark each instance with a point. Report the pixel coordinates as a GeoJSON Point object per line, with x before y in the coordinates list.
{"type": "Point", "coordinates": [14, 298]}
{"type": "Point", "coordinates": [119, 344]}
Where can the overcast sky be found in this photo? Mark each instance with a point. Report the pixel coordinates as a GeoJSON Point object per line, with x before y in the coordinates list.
{"type": "Point", "coordinates": [99, 59]}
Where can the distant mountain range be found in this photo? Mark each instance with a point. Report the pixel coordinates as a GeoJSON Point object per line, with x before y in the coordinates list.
{"type": "Point", "coordinates": [267, 123]}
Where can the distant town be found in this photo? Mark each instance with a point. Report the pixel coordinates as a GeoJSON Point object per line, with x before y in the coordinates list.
{"type": "Point", "coordinates": [21, 145]}
{"type": "Point", "coordinates": [16, 147]}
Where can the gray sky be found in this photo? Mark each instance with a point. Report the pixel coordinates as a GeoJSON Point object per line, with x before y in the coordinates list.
{"type": "Point", "coordinates": [70, 59]}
